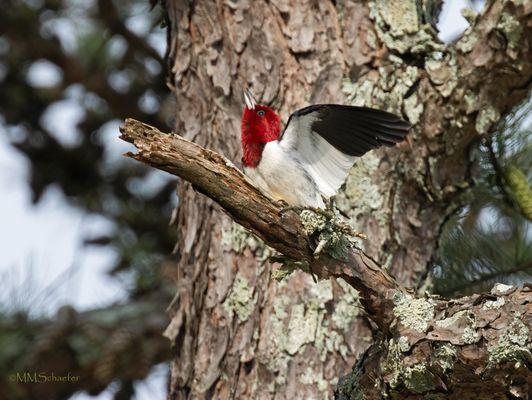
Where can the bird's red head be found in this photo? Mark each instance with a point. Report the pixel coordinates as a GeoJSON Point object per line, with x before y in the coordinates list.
{"type": "Point", "coordinates": [260, 125]}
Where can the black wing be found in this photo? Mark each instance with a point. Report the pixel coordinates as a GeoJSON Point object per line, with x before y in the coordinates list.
{"type": "Point", "coordinates": [354, 130]}
{"type": "Point", "coordinates": [329, 137]}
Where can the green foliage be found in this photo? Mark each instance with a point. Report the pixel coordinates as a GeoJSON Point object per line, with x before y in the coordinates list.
{"type": "Point", "coordinates": [474, 259]}
{"type": "Point", "coordinates": [490, 239]}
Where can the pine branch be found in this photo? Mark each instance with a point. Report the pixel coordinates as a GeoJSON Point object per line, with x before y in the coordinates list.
{"type": "Point", "coordinates": [119, 343]}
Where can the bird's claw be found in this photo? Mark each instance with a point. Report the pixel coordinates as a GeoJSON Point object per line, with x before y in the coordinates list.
{"type": "Point", "coordinates": [285, 207]}
{"type": "Point", "coordinates": [329, 213]}
{"type": "Point", "coordinates": [348, 230]}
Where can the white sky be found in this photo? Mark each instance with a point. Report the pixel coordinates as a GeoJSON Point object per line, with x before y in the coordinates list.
{"type": "Point", "coordinates": [41, 246]}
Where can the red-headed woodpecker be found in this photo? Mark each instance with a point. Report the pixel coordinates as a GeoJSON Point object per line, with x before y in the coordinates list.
{"type": "Point", "coordinates": [311, 158]}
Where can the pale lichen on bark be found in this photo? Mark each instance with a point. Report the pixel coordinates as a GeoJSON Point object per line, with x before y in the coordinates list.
{"type": "Point", "coordinates": [486, 118]}
{"type": "Point", "coordinates": [400, 28]}
{"type": "Point", "coordinates": [242, 299]}
{"type": "Point", "coordinates": [514, 344]}
{"type": "Point", "coordinates": [347, 308]}
{"type": "Point", "coordinates": [385, 90]}
{"type": "Point", "coordinates": [463, 323]}
{"type": "Point", "coordinates": [238, 238]}
{"type": "Point", "coordinates": [446, 356]}
{"type": "Point", "coordinates": [362, 193]}
{"type": "Point", "coordinates": [329, 238]}
{"type": "Point", "coordinates": [296, 326]}
{"type": "Point", "coordinates": [416, 378]}
{"type": "Point", "coordinates": [511, 28]}
{"type": "Point", "coordinates": [414, 313]}
{"type": "Point", "coordinates": [442, 69]}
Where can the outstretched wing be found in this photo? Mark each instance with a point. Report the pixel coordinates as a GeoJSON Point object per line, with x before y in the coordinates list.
{"type": "Point", "coordinates": [328, 138]}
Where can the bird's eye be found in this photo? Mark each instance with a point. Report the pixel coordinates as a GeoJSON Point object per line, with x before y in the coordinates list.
{"type": "Point", "coordinates": [261, 113]}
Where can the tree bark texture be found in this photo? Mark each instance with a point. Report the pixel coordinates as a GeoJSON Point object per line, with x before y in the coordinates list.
{"type": "Point", "coordinates": [238, 333]}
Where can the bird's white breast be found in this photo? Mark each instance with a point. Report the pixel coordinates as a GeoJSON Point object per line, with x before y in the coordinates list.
{"type": "Point", "coordinates": [281, 175]}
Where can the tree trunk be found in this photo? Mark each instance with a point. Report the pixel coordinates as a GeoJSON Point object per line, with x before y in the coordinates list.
{"type": "Point", "coordinates": [237, 332]}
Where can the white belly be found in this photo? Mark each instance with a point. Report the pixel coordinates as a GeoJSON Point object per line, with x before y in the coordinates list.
{"type": "Point", "coordinates": [281, 176]}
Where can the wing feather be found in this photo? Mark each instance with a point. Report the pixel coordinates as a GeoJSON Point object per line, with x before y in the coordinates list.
{"type": "Point", "coordinates": [328, 138]}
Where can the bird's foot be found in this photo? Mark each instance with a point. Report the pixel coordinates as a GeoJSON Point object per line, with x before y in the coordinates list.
{"type": "Point", "coordinates": [328, 213]}
{"type": "Point", "coordinates": [285, 207]}
{"type": "Point", "coordinates": [329, 203]}
{"type": "Point", "coordinates": [339, 222]}
{"type": "Point", "coordinates": [344, 227]}
{"type": "Point", "coordinates": [333, 219]}
{"type": "Point", "coordinates": [299, 209]}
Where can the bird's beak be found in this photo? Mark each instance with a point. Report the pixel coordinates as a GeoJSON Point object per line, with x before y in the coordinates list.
{"type": "Point", "coordinates": [249, 99]}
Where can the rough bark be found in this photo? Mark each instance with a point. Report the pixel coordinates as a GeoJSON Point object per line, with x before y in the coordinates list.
{"type": "Point", "coordinates": [237, 332]}
{"type": "Point", "coordinates": [430, 346]}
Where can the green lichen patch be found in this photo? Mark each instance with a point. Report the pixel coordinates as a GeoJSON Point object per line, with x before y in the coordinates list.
{"type": "Point", "coordinates": [393, 85]}
{"type": "Point", "coordinates": [494, 304]}
{"type": "Point", "coordinates": [400, 15]}
{"type": "Point", "coordinates": [312, 222]}
{"type": "Point", "coordinates": [301, 327]}
{"type": "Point", "coordinates": [358, 94]}
{"type": "Point", "coordinates": [418, 378]}
{"type": "Point", "coordinates": [241, 300]}
{"type": "Point", "coordinates": [362, 195]}
{"type": "Point", "coordinates": [311, 377]}
{"type": "Point", "coordinates": [322, 292]}
{"type": "Point", "coordinates": [413, 108]}
{"type": "Point", "coordinates": [331, 233]}
{"type": "Point", "coordinates": [443, 73]}
{"type": "Point", "coordinates": [469, 14]}
{"type": "Point", "coordinates": [393, 365]}
{"type": "Point", "coordinates": [446, 357]}
{"type": "Point", "coordinates": [398, 24]}
{"type": "Point", "coordinates": [403, 344]}
{"type": "Point", "coordinates": [328, 340]}
{"type": "Point", "coordinates": [467, 42]}
{"type": "Point", "coordinates": [511, 29]}
{"type": "Point", "coordinates": [471, 102]}
{"type": "Point", "coordinates": [238, 238]}
{"type": "Point", "coordinates": [470, 335]}
{"type": "Point", "coordinates": [281, 273]}
{"type": "Point", "coordinates": [288, 266]}
{"type": "Point", "coordinates": [486, 118]}
{"type": "Point", "coordinates": [303, 319]}
{"type": "Point", "coordinates": [459, 328]}
{"type": "Point", "coordinates": [347, 307]}
{"type": "Point", "coordinates": [387, 89]}
{"type": "Point", "coordinates": [274, 355]}
{"type": "Point", "coordinates": [294, 326]}
{"type": "Point", "coordinates": [513, 345]}
{"type": "Point", "coordinates": [413, 313]}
